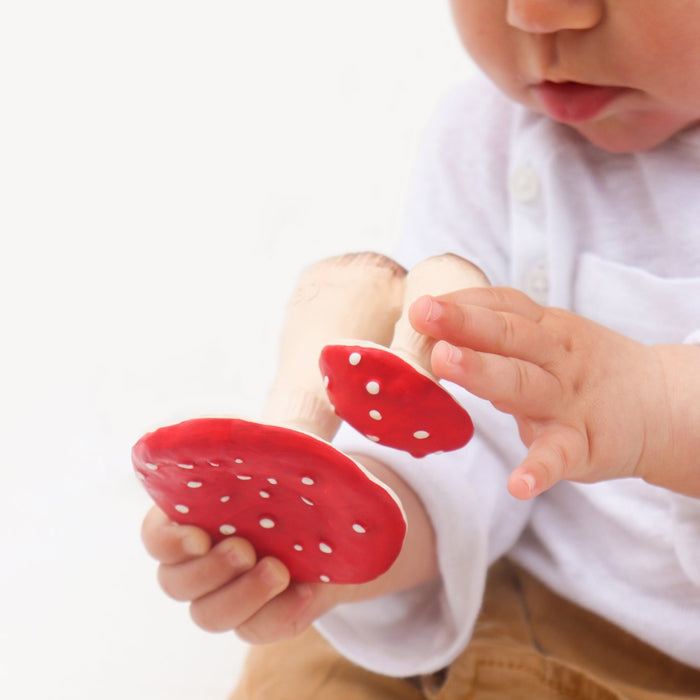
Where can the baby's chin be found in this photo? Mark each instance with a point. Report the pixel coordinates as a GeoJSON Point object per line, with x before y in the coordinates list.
{"type": "Point", "coordinates": [630, 135]}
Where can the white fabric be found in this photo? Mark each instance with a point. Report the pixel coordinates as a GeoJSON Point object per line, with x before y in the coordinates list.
{"type": "Point", "coordinates": [616, 239]}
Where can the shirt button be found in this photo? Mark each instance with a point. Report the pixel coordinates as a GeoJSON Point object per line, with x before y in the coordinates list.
{"type": "Point", "coordinates": [537, 285]}
{"type": "Point", "coordinates": [525, 183]}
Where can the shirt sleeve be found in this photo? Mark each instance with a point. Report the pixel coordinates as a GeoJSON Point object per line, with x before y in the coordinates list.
{"type": "Point", "coordinates": [693, 338]}
{"type": "Point", "coordinates": [456, 205]}
{"type": "Point", "coordinates": [475, 521]}
{"type": "Point", "coordinates": [685, 512]}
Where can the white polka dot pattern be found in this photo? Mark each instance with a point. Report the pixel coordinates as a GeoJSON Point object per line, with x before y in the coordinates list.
{"type": "Point", "coordinates": [319, 512]}
{"type": "Point", "coordinates": [391, 401]}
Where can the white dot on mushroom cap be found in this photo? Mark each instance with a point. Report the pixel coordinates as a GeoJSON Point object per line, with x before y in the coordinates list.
{"type": "Point", "coordinates": [375, 415]}
{"type": "Point", "coordinates": [243, 477]}
{"type": "Point", "coordinates": [238, 461]}
{"type": "Point", "coordinates": [307, 481]}
{"type": "Point", "coordinates": [267, 523]}
{"type": "Point", "coordinates": [194, 484]}
{"type": "Point", "coordinates": [225, 499]}
{"type": "Point", "coordinates": [182, 509]}
{"type": "Point", "coordinates": [141, 476]}
{"type": "Point", "coordinates": [151, 466]}
{"type": "Point", "coordinates": [298, 547]}
{"type": "Point", "coordinates": [186, 466]}
{"type": "Point", "coordinates": [272, 481]}
{"type": "Point", "coordinates": [372, 388]}
{"type": "Point", "coordinates": [373, 438]}
{"type": "Point", "coordinates": [359, 529]}
{"type": "Point", "coordinates": [326, 381]}
{"type": "Point", "coordinates": [213, 464]}
{"type": "Point", "coordinates": [264, 494]}
{"type": "Point", "coordinates": [354, 358]}
{"type": "Point", "coordinates": [227, 529]}
{"type": "Point", "coordinates": [324, 578]}
{"type": "Point", "coordinates": [307, 501]}
{"type": "Point", "coordinates": [421, 434]}
{"type": "Point", "coordinates": [325, 548]}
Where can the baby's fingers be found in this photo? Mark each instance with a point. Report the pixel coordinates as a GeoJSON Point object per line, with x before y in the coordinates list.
{"type": "Point", "coordinates": [198, 577]}
{"type": "Point", "coordinates": [511, 385]}
{"type": "Point", "coordinates": [506, 333]}
{"type": "Point", "coordinates": [228, 607]}
{"type": "Point", "coordinates": [170, 543]}
{"type": "Point", "coordinates": [285, 616]}
{"type": "Point", "coordinates": [557, 453]}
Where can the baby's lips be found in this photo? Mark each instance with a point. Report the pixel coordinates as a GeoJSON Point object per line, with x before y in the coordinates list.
{"type": "Point", "coordinates": [292, 495]}
{"type": "Point", "coordinates": [392, 401]}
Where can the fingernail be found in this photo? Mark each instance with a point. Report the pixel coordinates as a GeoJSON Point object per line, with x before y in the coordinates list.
{"type": "Point", "coordinates": [435, 310]}
{"type": "Point", "coordinates": [451, 353]}
{"type": "Point", "coordinates": [271, 574]}
{"type": "Point", "coordinates": [238, 556]}
{"type": "Point", "coordinates": [303, 591]}
{"type": "Point", "coordinates": [194, 545]}
{"type": "Point", "coordinates": [529, 482]}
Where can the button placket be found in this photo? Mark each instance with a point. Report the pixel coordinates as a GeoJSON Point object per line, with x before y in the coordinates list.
{"type": "Point", "coordinates": [530, 269]}
{"type": "Point", "coordinates": [525, 183]}
{"type": "Point", "coordinates": [537, 283]}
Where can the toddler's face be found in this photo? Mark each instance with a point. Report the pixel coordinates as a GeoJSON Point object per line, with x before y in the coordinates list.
{"type": "Point", "coordinates": [624, 73]}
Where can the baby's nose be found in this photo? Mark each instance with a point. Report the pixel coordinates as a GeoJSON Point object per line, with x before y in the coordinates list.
{"type": "Point", "coordinates": [549, 16]}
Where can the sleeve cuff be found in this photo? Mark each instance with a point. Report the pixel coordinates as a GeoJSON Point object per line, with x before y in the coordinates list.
{"type": "Point", "coordinates": [420, 630]}
{"type": "Point", "coordinates": [693, 338]}
{"type": "Point", "coordinates": [685, 512]}
{"type": "Point", "coordinates": [475, 521]}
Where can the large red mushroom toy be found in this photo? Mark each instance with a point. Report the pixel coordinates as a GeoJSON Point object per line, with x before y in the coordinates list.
{"type": "Point", "coordinates": [390, 394]}
{"type": "Point", "coordinates": [279, 483]}
{"type": "Point", "coordinates": [292, 495]}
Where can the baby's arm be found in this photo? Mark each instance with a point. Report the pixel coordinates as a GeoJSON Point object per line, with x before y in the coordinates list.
{"type": "Point", "coordinates": [228, 588]}
{"type": "Point", "coordinates": [590, 403]}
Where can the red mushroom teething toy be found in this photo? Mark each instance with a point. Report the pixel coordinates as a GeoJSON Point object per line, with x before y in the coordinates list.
{"type": "Point", "coordinates": [293, 496]}
{"type": "Point", "coordinates": [358, 295]}
{"type": "Point", "coordinates": [279, 484]}
{"type": "Point", "coordinates": [390, 395]}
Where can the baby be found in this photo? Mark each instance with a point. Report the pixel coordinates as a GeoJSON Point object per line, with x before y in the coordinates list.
{"type": "Point", "coordinates": [557, 555]}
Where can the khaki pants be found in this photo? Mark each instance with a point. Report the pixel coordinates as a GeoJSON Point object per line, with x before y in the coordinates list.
{"type": "Point", "coordinates": [528, 644]}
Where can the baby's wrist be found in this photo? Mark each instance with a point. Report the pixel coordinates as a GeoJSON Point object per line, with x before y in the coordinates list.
{"type": "Point", "coordinates": [673, 410]}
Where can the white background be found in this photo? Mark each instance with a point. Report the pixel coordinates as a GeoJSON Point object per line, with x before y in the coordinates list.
{"type": "Point", "coordinates": [166, 170]}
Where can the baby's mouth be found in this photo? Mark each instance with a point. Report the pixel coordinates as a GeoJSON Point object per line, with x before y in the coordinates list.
{"type": "Point", "coordinates": [572, 102]}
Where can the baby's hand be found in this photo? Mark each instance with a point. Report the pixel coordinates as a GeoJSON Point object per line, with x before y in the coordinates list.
{"type": "Point", "coordinates": [589, 402]}
{"type": "Point", "coordinates": [227, 586]}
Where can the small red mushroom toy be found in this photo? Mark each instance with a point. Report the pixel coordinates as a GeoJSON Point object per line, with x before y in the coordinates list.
{"type": "Point", "coordinates": [279, 483]}
{"type": "Point", "coordinates": [390, 395]}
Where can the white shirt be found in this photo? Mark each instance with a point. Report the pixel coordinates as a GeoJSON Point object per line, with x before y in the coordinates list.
{"type": "Point", "coordinates": [615, 238]}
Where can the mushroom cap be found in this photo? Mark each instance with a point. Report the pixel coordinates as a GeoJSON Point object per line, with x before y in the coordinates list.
{"type": "Point", "coordinates": [291, 494]}
{"type": "Point", "coordinates": [391, 400]}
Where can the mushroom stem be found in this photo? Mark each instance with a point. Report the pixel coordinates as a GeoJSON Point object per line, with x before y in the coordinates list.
{"type": "Point", "coordinates": [356, 295]}
{"type": "Point", "coordinates": [436, 275]}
